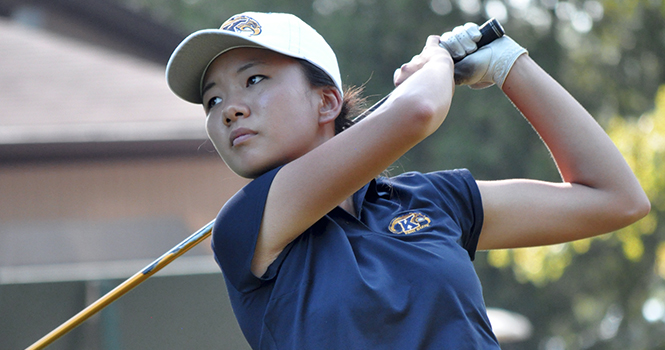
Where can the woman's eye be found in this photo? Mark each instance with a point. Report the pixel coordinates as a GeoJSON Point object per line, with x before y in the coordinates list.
{"type": "Point", "coordinates": [254, 79]}
{"type": "Point", "coordinates": [214, 101]}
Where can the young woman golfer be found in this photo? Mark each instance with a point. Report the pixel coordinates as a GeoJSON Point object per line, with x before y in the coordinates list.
{"type": "Point", "coordinates": [320, 251]}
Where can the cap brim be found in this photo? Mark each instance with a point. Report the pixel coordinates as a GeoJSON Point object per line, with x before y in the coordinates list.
{"type": "Point", "coordinates": [191, 58]}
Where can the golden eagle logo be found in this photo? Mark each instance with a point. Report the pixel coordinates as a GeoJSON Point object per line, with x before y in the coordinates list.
{"type": "Point", "coordinates": [409, 223]}
{"type": "Point", "coordinates": [242, 24]}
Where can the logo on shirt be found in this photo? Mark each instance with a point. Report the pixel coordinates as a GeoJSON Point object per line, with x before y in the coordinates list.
{"type": "Point", "coordinates": [409, 223]}
{"type": "Point", "coordinates": [242, 24]}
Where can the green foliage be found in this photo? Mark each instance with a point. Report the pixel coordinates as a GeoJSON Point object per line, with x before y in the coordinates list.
{"type": "Point", "coordinates": [642, 142]}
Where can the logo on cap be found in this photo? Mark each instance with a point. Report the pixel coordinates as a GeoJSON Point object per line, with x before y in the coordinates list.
{"type": "Point", "coordinates": [242, 24]}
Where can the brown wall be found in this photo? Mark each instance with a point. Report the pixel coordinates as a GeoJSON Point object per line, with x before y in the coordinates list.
{"type": "Point", "coordinates": [191, 188]}
{"type": "Point", "coordinates": [189, 311]}
{"type": "Point", "coordinates": [121, 209]}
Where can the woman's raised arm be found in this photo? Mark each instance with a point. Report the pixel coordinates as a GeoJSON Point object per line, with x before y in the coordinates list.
{"type": "Point", "coordinates": [599, 192]}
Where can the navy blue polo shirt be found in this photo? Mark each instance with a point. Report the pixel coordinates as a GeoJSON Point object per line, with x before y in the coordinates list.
{"type": "Point", "coordinates": [400, 276]}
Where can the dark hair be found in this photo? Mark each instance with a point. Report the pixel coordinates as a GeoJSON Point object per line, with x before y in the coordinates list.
{"type": "Point", "coordinates": [353, 103]}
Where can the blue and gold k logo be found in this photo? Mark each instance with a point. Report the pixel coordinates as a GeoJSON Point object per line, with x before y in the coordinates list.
{"type": "Point", "coordinates": [409, 223]}
{"type": "Point", "coordinates": [242, 24]}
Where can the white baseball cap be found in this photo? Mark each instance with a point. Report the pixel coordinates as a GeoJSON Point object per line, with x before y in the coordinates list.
{"type": "Point", "coordinates": [279, 32]}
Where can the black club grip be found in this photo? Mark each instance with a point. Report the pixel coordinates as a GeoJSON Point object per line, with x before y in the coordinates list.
{"type": "Point", "coordinates": [490, 30]}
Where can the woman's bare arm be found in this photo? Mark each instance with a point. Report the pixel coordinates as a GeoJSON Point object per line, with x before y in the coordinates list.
{"type": "Point", "coordinates": [599, 192]}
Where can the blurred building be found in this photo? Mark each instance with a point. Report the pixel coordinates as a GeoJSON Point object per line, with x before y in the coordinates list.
{"type": "Point", "coordinates": [102, 170]}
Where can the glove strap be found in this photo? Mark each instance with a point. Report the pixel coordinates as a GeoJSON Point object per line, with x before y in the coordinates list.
{"type": "Point", "coordinates": [503, 65]}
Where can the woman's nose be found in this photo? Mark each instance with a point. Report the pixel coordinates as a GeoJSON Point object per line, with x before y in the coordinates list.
{"type": "Point", "coordinates": [235, 111]}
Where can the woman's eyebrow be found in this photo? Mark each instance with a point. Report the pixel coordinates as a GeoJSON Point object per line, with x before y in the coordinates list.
{"type": "Point", "coordinates": [249, 65]}
{"type": "Point", "coordinates": [240, 70]}
{"type": "Point", "coordinates": [207, 87]}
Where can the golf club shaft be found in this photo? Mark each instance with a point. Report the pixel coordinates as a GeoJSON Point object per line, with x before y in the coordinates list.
{"type": "Point", "coordinates": [125, 287]}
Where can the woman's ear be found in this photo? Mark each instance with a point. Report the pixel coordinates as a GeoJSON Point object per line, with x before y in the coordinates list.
{"type": "Point", "coordinates": [331, 104]}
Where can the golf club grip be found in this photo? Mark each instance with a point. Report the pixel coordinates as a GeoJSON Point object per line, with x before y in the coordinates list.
{"type": "Point", "coordinates": [490, 31]}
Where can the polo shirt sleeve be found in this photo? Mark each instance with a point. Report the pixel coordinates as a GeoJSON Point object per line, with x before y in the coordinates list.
{"type": "Point", "coordinates": [460, 194]}
{"type": "Point", "coordinates": [236, 230]}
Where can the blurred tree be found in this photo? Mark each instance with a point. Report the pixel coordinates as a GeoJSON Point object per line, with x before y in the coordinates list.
{"type": "Point", "coordinates": [590, 294]}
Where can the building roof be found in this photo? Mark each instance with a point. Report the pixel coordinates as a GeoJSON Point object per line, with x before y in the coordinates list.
{"type": "Point", "coordinates": [58, 90]}
{"type": "Point", "coordinates": [62, 97]}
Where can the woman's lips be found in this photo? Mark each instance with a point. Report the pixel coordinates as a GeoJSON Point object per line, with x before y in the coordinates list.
{"type": "Point", "coordinates": [240, 135]}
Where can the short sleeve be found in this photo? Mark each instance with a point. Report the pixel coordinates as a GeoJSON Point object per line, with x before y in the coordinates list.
{"type": "Point", "coordinates": [236, 230]}
{"type": "Point", "coordinates": [459, 190]}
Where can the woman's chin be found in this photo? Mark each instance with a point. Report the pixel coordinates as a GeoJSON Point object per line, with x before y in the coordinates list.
{"type": "Point", "coordinates": [249, 172]}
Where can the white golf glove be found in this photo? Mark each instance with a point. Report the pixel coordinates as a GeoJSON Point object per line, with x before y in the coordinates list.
{"type": "Point", "coordinates": [485, 67]}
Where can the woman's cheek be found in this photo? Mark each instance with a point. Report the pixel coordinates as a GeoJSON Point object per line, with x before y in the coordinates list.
{"type": "Point", "coordinates": [217, 140]}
